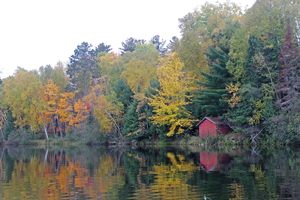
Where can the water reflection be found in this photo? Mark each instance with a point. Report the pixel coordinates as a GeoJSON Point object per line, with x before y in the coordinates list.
{"type": "Point", "coordinates": [110, 173]}
{"type": "Point", "coordinates": [213, 161]}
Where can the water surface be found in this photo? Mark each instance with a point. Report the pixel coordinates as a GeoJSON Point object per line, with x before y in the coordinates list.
{"type": "Point", "coordinates": [166, 173]}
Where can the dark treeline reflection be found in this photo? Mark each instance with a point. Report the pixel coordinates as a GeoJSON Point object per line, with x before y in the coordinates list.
{"type": "Point", "coordinates": [166, 173]}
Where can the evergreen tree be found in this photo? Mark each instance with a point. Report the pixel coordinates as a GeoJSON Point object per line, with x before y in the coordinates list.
{"type": "Point", "coordinates": [9, 124]}
{"type": "Point", "coordinates": [257, 92]}
{"type": "Point", "coordinates": [123, 93]}
{"type": "Point", "coordinates": [173, 44]}
{"type": "Point", "coordinates": [159, 44]}
{"type": "Point", "coordinates": [81, 62]}
{"type": "Point", "coordinates": [289, 84]}
{"type": "Point", "coordinates": [102, 48]}
{"type": "Point", "coordinates": [90, 119]}
{"type": "Point", "coordinates": [130, 44]}
{"type": "Point", "coordinates": [131, 120]}
{"type": "Point", "coordinates": [212, 97]}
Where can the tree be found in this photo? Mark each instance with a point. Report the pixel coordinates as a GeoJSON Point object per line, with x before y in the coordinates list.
{"type": "Point", "coordinates": [51, 94]}
{"type": "Point", "coordinates": [131, 120]}
{"type": "Point", "coordinates": [202, 29]}
{"type": "Point", "coordinates": [252, 101]}
{"type": "Point", "coordinates": [153, 129]}
{"type": "Point", "coordinates": [169, 104]}
{"type": "Point", "coordinates": [266, 20]}
{"type": "Point", "coordinates": [80, 113]}
{"type": "Point", "coordinates": [65, 110]}
{"type": "Point", "coordinates": [82, 62]}
{"type": "Point", "coordinates": [56, 74]}
{"type": "Point", "coordinates": [213, 98]}
{"type": "Point", "coordinates": [9, 124]}
{"type": "Point", "coordinates": [130, 44]}
{"type": "Point", "coordinates": [159, 44]}
{"type": "Point", "coordinates": [102, 48]}
{"type": "Point", "coordinates": [288, 87]}
{"type": "Point", "coordinates": [23, 96]}
{"type": "Point", "coordinates": [110, 70]}
{"type": "Point", "coordinates": [107, 109]}
{"type": "Point", "coordinates": [123, 93]}
{"type": "Point", "coordinates": [140, 66]}
{"type": "Point", "coordinates": [173, 44]}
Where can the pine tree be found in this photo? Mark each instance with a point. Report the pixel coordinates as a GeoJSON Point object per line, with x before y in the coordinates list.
{"type": "Point", "coordinates": [131, 120]}
{"type": "Point", "coordinates": [9, 124]}
{"type": "Point", "coordinates": [159, 44]}
{"type": "Point", "coordinates": [81, 62]}
{"type": "Point", "coordinates": [289, 84]}
{"type": "Point", "coordinates": [213, 98]}
{"type": "Point", "coordinates": [123, 93]}
{"type": "Point", "coordinates": [130, 44]}
{"type": "Point", "coordinates": [102, 48]}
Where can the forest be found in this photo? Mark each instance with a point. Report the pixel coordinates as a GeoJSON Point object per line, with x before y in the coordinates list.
{"type": "Point", "coordinates": [242, 66]}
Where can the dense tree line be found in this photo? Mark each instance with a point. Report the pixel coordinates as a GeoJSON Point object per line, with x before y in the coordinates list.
{"type": "Point", "coordinates": [240, 66]}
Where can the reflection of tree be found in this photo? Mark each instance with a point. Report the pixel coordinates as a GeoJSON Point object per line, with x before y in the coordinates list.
{"type": "Point", "coordinates": [144, 174]}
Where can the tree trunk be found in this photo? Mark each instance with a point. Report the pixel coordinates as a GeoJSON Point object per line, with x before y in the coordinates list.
{"type": "Point", "coordinates": [2, 134]}
{"type": "Point", "coordinates": [58, 123]}
{"type": "Point", "coordinates": [45, 128]}
{"type": "Point", "coordinates": [85, 82]}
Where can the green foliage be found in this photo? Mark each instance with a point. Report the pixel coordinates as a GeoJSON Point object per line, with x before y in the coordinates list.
{"type": "Point", "coordinates": [89, 134]}
{"type": "Point", "coordinates": [102, 48]}
{"type": "Point", "coordinates": [130, 44]}
{"type": "Point", "coordinates": [159, 44]}
{"type": "Point", "coordinates": [9, 124]}
{"type": "Point", "coordinates": [286, 126]}
{"type": "Point", "coordinates": [82, 62]}
{"type": "Point", "coordinates": [213, 98]}
{"type": "Point", "coordinates": [131, 120]}
{"type": "Point", "coordinates": [237, 55]}
{"type": "Point", "coordinates": [21, 136]}
{"type": "Point", "coordinates": [90, 119]}
{"type": "Point", "coordinates": [123, 93]}
{"type": "Point", "coordinates": [140, 66]}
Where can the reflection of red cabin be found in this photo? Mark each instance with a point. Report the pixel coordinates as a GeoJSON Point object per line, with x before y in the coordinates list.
{"type": "Point", "coordinates": [212, 161]}
{"type": "Point", "coordinates": [212, 126]}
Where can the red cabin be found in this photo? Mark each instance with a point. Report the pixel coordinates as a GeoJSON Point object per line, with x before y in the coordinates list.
{"type": "Point", "coordinates": [213, 126]}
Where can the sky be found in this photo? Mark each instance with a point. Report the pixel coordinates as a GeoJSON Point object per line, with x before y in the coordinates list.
{"type": "Point", "coordinates": [36, 33]}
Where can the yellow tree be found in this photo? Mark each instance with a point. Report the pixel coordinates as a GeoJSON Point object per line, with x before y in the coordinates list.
{"type": "Point", "coordinates": [111, 70]}
{"type": "Point", "coordinates": [51, 94]}
{"type": "Point", "coordinates": [169, 104]}
{"type": "Point", "coordinates": [65, 105]}
{"type": "Point", "coordinates": [81, 112]}
{"type": "Point", "coordinates": [23, 96]}
{"type": "Point", "coordinates": [107, 110]}
{"type": "Point", "coordinates": [140, 66]}
{"type": "Point", "coordinates": [200, 30]}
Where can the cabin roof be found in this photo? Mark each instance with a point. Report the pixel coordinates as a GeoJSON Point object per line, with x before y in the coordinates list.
{"type": "Point", "coordinates": [214, 120]}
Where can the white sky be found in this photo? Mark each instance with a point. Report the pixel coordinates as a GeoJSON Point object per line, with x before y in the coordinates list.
{"type": "Point", "coordinates": [39, 32]}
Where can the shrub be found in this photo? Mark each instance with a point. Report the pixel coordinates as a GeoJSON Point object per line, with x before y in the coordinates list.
{"type": "Point", "coordinates": [21, 136]}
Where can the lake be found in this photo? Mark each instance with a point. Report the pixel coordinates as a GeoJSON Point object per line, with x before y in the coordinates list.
{"type": "Point", "coordinates": [151, 173]}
